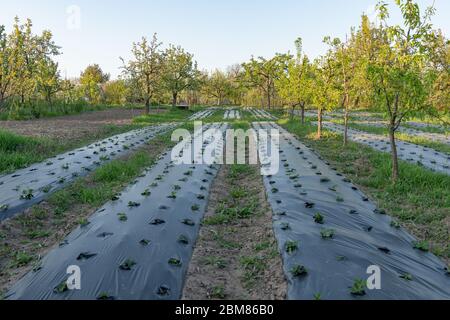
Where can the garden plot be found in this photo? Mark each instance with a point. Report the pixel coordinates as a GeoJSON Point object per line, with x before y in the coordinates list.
{"type": "Point", "coordinates": [261, 114]}
{"type": "Point", "coordinates": [31, 185]}
{"type": "Point", "coordinates": [313, 115]}
{"type": "Point", "coordinates": [436, 137]}
{"type": "Point", "coordinates": [425, 125]}
{"type": "Point", "coordinates": [232, 114]}
{"type": "Point", "coordinates": [329, 233]}
{"type": "Point", "coordinates": [202, 114]}
{"type": "Point", "coordinates": [361, 116]}
{"type": "Point", "coordinates": [427, 157]}
{"type": "Point", "coordinates": [138, 245]}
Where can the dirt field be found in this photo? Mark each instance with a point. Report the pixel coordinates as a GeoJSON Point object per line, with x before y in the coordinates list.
{"type": "Point", "coordinates": [73, 126]}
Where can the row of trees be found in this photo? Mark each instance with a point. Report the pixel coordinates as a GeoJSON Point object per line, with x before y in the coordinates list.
{"type": "Point", "coordinates": [27, 68]}
{"type": "Point", "coordinates": [30, 75]}
{"type": "Point", "coordinates": [396, 69]}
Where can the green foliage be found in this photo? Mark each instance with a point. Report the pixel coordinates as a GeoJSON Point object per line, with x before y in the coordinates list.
{"type": "Point", "coordinates": [180, 71]}
{"type": "Point", "coordinates": [358, 288]}
{"type": "Point", "coordinates": [262, 73]}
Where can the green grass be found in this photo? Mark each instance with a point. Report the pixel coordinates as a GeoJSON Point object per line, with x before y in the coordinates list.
{"type": "Point", "coordinates": [17, 151]}
{"type": "Point", "coordinates": [253, 266]}
{"type": "Point", "coordinates": [167, 114]}
{"type": "Point", "coordinates": [218, 292]}
{"type": "Point", "coordinates": [419, 200]}
{"type": "Point", "coordinates": [428, 129]}
{"type": "Point", "coordinates": [216, 262]}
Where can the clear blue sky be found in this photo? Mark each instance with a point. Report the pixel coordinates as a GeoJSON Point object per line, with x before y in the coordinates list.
{"type": "Point", "coordinates": [218, 33]}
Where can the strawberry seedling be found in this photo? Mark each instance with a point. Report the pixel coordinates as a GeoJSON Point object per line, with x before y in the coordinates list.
{"type": "Point", "coordinates": [298, 271]}
{"type": "Point", "coordinates": [122, 217]}
{"type": "Point", "coordinates": [327, 233]}
{"type": "Point", "coordinates": [127, 265]}
{"type": "Point", "coordinates": [318, 218]}
{"type": "Point", "coordinates": [358, 288]}
{"type": "Point", "coordinates": [291, 246]}
{"type": "Point", "coordinates": [175, 262]}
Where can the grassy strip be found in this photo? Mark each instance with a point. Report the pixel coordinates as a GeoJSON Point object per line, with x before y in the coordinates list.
{"type": "Point", "coordinates": [419, 200]}
{"type": "Point", "coordinates": [438, 146]}
{"type": "Point", "coordinates": [27, 237]}
{"type": "Point", "coordinates": [17, 151]}
{"type": "Point", "coordinates": [428, 129]}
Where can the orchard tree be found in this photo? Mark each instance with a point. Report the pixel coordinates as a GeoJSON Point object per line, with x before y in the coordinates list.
{"type": "Point", "coordinates": [237, 88]}
{"type": "Point", "coordinates": [146, 68]}
{"type": "Point", "coordinates": [396, 71]}
{"type": "Point", "coordinates": [48, 81]}
{"type": "Point", "coordinates": [180, 71]}
{"type": "Point", "coordinates": [326, 92]}
{"type": "Point", "coordinates": [263, 73]}
{"type": "Point", "coordinates": [26, 59]}
{"type": "Point", "coordinates": [91, 80]}
{"type": "Point", "coordinates": [116, 92]}
{"type": "Point", "coordinates": [437, 73]}
{"type": "Point", "coordinates": [295, 84]}
{"type": "Point", "coordinates": [217, 86]}
{"type": "Point", "coordinates": [6, 67]}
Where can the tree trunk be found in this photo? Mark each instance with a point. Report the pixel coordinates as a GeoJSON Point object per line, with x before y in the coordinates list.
{"type": "Point", "coordinates": [319, 123]}
{"type": "Point", "coordinates": [302, 105]}
{"type": "Point", "coordinates": [147, 105]}
{"type": "Point", "coordinates": [174, 99]}
{"type": "Point", "coordinates": [393, 153]}
{"type": "Point", "coordinates": [346, 120]}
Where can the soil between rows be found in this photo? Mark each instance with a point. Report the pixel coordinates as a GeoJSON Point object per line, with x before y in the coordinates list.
{"type": "Point", "coordinates": [238, 259]}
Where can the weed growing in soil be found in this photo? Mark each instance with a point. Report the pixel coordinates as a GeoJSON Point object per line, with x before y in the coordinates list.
{"type": "Point", "coordinates": [218, 292]}
{"type": "Point", "coordinates": [216, 262]}
{"type": "Point", "coordinates": [421, 245]}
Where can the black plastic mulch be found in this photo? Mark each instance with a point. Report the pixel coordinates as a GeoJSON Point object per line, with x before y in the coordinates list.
{"type": "Point", "coordinates": [329, 233]}
{"type": "Point", "coordinates": [26, 187]}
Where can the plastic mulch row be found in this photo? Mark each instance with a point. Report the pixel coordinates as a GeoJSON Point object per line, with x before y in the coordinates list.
{"type": "Point", "coordinates": [329, 233]}
{"type": "Point", "coordinates": [413, 153]}
{"type": "Point", "coordinates": [138, 245]}
{"type": "Point", "coordinates": [28, 186]}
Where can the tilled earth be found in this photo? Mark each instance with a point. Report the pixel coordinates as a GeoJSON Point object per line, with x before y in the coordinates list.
{"type": "Point", "coordinates": [73, 126]}
{"type": "Point", "coordinates": [239, 259]}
